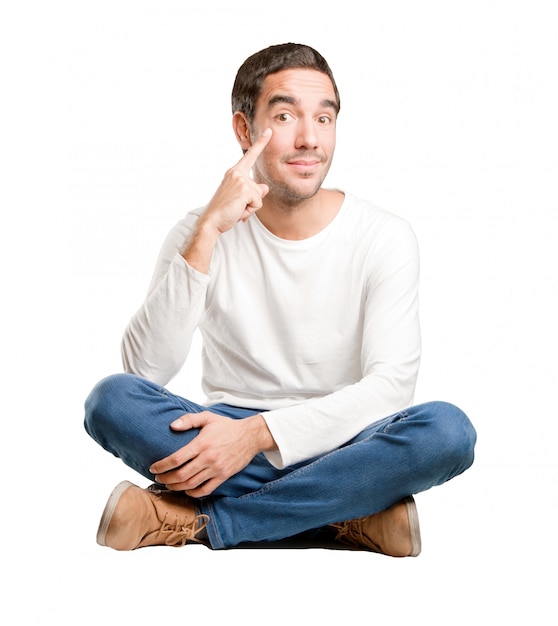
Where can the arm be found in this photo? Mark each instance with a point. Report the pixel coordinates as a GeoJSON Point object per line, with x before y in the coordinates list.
{"type": "Point", "coordinates": [390, 355]}
{"type": "Point", "coordinates": [158, 337]}
{"type": "Point", "coordinates": [223, 446]}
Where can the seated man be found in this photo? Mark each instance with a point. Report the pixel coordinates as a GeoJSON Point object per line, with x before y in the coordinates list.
{"type": "Point", "coordinates": [306, 300]}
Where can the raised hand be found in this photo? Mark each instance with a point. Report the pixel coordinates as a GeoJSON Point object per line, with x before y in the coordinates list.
{"type": "Point", "coordinates": [236, 199]}
{"type": "Point", "coordinates": [238, 196]}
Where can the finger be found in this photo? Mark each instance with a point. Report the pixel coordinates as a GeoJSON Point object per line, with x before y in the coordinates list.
{"type": "Point", "coordinates": [247, 161]}
{"type": "Point", "coordinates": [191, 483]}
{"type": "Point", "coordinates": [204, 490]}
{"type": "Point", "coordinates": [256, 204]}
{"type": "Point", "coordinates": [187, 422]}
{"type": "Point", "coordinates": [192, 420]}
{"type": "Point", "coordinates": [187, 452]}
{"type": "Point", "coordinates": [174, 460]}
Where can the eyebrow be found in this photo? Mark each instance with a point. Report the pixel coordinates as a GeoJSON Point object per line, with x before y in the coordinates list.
{"type": "Point", "coordinates": [278, 99]}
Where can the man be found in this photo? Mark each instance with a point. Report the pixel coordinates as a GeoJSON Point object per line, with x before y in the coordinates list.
{"type": "Point", "coordinates": [306, 299]}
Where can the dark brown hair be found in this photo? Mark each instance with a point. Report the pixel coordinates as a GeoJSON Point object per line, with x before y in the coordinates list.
{"type": "Point", "coordinates": [252, 73]}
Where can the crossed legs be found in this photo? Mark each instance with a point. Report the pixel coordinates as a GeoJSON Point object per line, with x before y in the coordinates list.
{"type": "Point", "coordinates": [393, 458]}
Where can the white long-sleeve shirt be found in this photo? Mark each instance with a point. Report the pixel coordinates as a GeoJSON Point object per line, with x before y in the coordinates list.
{"type": "Point", "coordinates": [322, 334]}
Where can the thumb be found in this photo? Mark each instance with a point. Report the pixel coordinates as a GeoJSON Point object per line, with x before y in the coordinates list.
{"type": "Point", "coordinates": [189, 420]}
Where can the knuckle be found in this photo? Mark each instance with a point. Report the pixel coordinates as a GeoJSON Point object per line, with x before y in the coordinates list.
{"type": "Point", "coordinates": [235, 175]}
{"type": "Point", "coordinates": [212, 458]}
{"type": "Point", "coordinates": [220, 467]}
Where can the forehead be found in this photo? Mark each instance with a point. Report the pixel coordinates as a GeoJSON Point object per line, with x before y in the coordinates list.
{"type": "Point", "coordinates": [306, 86]}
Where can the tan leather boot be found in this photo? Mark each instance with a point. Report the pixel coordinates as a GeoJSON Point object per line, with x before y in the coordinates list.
{"type": "Point", "coordinates": [135, 518]}
{"type": "Point", "coordinates": [394, 532]}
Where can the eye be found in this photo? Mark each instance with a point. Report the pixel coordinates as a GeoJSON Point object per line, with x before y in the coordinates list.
{"type": "Point", "coordinates": [284, 117]}
{"type": "Point", "coordinates": [324, 120]}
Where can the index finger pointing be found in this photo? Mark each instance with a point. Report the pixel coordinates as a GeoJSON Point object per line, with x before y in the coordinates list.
{"type": "Point", "coordinates": [247, 161]}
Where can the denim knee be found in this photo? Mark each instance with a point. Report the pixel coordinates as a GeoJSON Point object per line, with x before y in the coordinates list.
{"type": "Point", "coordinates": [457, 435]}
{"type": "Point", "coordinates": [100, 403]}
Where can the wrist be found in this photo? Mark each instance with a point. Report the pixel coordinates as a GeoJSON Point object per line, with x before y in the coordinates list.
{"type": "Point", "coordinates": [207, 227]}
{"type": "Point", "coordinates": [262, 437]}
{"type": "Point", "coordinates": [198, 248]}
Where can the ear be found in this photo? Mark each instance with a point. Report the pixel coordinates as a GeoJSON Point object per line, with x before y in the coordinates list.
{"type": "Point", "coordinates": [241, 129]}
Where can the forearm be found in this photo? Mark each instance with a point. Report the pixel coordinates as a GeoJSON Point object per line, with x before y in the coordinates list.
{"type": "Point", "coordinates": [320, 425]}
{"type": "Point", "coordinates": [158, 337]}
{"type": "Point", "coordinates": [197, 249]}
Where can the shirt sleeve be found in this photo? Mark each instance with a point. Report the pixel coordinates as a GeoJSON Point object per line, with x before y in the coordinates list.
{"type": "Point", "coordinates": [390, 359]}
{"type": "Point", "coordinates": [157, 339]}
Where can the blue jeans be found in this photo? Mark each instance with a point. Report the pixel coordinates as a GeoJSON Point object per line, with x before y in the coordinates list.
{"type": "Point", "coordinates": [400, 455]}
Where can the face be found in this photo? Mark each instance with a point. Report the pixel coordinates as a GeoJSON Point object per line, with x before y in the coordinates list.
{"type": "Point", "coordinates": [299, 105]}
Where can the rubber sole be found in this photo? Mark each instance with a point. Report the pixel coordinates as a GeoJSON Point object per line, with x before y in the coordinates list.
{"type": "Point", "coordinates": [109, 510]}
{"type": "Point", "coordinates": [414, 526]}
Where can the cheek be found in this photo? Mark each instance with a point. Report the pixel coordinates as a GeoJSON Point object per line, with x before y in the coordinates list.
{"type": "Point", "coordinates": [329, 142]}
{"type": "Point", "coordinates": [263, 168]}
{"type": "Point", "coordinates": [278, 144]}
{"type": "Point", "coordinates": [271, 156]}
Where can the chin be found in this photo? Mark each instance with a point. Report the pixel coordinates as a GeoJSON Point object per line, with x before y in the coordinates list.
{"type": "Point", "coordinates": [293, 197]}
{"type": "Point", "coordinates": [293, 194]}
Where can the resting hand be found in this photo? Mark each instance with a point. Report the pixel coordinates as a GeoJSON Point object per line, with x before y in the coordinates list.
{"type": "Point", "coordinates": [222, 448]}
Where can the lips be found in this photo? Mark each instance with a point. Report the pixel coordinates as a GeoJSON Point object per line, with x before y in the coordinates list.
{"type": "Point", "coordinates": [304, 160]}
{"type": "Point", "coordinates": [304, 163]}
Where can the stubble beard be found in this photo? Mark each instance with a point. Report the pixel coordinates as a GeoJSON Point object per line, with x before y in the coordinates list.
{"type": "Point", "coordinates": [287, 197]}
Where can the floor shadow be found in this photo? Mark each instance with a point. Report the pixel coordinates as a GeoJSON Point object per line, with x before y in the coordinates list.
{"type": "Point", "coordinates": [323, 538]}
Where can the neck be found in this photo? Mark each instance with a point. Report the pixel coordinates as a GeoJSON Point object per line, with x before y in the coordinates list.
{"type": "Point", "coordinates": [303, 219]}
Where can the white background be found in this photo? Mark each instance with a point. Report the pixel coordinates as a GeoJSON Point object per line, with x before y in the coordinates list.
{"type": "Point", "coordinates": [115, 122]}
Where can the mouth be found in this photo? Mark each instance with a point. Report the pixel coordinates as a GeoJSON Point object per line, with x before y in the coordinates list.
{"type": "Point", "coordinates": [304, 165]}
{"type": "Point", "coordinates": [304, 158]}
{"type": "Point", "coordinates": [304, 162]}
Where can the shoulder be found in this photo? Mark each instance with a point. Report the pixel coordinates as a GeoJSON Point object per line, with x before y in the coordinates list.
{"type": "Point", "coordinates": [372, 224]}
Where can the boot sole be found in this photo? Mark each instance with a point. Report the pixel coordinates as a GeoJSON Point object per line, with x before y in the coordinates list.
{"type": "Point", "coordinates": [110, 506]}
{"type": "Point", "coordinates": [414, 526]}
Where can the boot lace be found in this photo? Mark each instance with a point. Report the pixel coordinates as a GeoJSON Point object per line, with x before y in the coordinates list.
{"type": "Point", "coordinates": [351, 533]}
{"type": "Point", "coordinates": [179, 533]}
{"type": "Point", "coordinates": [348, 531]}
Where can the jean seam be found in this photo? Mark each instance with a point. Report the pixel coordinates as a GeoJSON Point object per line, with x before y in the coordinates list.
{"type": "Point", "coordinates": [206, 506]}
{"type": "Point", "coordinates": [397, 417]}
{"type": "Point", "coordinates": [298, 472]}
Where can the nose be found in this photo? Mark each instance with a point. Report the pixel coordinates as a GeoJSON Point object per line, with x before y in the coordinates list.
{"type": "Point", "coordinates": [306, 137]}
